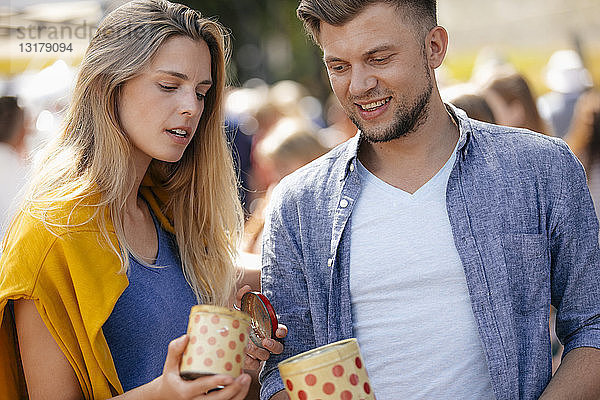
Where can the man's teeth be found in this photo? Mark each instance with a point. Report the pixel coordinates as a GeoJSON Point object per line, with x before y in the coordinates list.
{"type": "Point", "coordinates": [374, 105]}
{"type": "Point", "coordinates": [178, 132]}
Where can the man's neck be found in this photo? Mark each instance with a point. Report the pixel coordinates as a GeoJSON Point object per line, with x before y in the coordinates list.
{"type": "Point", "coordinates": [412, 160]}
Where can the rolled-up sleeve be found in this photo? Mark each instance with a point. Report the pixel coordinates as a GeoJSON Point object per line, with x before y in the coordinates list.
{"type": "Point", "coordinates": [575, 258]}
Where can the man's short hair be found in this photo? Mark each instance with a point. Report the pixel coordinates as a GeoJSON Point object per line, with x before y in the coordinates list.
{"type": "Point", "coordinates": [11, 118]}
{"type": "Point", "coordinates": [420, 13]}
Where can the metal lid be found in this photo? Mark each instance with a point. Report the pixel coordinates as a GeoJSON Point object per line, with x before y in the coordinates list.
{"type": "Point", "coordinates": [263, 317]}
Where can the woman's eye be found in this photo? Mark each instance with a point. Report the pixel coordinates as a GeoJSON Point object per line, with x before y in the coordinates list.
{"type": "Point", "coordinates": [200, 96]}
{"type": "Point", "coordinates": [167, 87]}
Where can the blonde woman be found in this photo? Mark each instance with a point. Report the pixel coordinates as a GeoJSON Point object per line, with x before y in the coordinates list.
{"type": "Point", "coordinates": [131, 218]}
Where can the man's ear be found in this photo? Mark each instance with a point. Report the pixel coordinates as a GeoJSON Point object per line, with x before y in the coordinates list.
{"type": "Point", "coordinates": [436, 44]}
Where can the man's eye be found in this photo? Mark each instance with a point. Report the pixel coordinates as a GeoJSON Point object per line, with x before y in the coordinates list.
{"type": "Point", "coordinates": [380, 60]}
{"type": "Point", "coordinates": [167, 87]}
{"type": "Point", "coordinates": [338, 68]}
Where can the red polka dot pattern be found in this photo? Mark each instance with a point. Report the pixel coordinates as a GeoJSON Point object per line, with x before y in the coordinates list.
{"type": "Point", "coordinates": [346, 395]}
{"type": "Point", "coordinates": [211, 344]}
{"type": "Point", "coordinates": [338, 371]}
{"type": "Point", "coordinates": [331, 379]}
{"type": "Point", "coordinates": [328, 388]}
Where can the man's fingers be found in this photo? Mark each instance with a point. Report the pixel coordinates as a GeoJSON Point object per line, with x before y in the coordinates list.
{"type": "Point", "coordinates": [282, 331]}
{"type": "Point", "coordinates": [273, 346]}
{"type": "Point", "coordinates": [244, 289]}
{"type": "Point", "coordinates": [251, 363]}
{"type": "Point", "coordinates": [256, 352]}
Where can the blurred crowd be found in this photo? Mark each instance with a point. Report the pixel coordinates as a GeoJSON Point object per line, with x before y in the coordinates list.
{"type": "Point", "coordinates": [277, 128]}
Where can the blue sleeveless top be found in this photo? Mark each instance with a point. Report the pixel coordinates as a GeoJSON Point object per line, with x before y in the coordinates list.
{"type": "Point", "coordinates": [152, 311]}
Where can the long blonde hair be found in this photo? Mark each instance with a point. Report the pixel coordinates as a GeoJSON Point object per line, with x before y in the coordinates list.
{"type": "Point", "coordinates": [91, 156]}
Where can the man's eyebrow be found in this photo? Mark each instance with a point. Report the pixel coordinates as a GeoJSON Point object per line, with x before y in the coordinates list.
{"type": "Point", "coordinates": [184, 76]}
{"type": "Point", "coordinates": [377, 49]}
{"type": "Point", "coordinates": [329, 59]}
{"type": "Point", "coordinates": [384, 47]}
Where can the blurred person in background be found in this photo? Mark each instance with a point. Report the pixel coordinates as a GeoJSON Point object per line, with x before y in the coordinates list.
{"type": "Point", "coordinates": [567, 78]}
{"type": "Point", "coordinates": [511, 100]}
{"type": "Point", "coordinates": [282, 101]}
{"type": "Point", "coordinates": [131, 218]}
{"type": "Point", "coordinates": [436, 240]}
{"type": "Point", "coordinates": [466, 97]}
{"type": "Point", "coordinates": [291, 144]}
{"type": "Point", "coordinates": [476, 107]}
{"type": "Point", "coordinates": [13, 163]}
{"type": "Point", "coordinates": [339, 127]}
{"type": "Point", "coordinates": [584, 139]}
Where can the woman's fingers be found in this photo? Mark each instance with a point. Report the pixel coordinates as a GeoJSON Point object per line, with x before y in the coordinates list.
{"type": "Point", "coordinates": [204, 384]}
{"type": "Point", "coordinates": [235, 390]}
{"type": "Point", "coordinates": [174, 354]}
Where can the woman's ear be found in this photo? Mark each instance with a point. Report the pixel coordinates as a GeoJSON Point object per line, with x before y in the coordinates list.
{"type": "Point", "coordinates": [436, 43]}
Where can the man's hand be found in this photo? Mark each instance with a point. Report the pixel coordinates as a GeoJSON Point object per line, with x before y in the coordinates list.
{"type": "Point", "coordinates": [254, 354]}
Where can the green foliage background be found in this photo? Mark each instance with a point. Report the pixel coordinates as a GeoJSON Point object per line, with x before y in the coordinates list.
{"type": "Point", "coordinates": [258, 25]}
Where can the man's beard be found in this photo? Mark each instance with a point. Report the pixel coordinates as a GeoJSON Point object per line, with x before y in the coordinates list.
{"type": "Point", "coordinates": [406, 119]}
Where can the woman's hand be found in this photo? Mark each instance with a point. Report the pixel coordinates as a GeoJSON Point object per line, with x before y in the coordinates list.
{"type": "Point", "coordinates": [254, 354]}
{"type": "Point", "coordinates": [171, 386]}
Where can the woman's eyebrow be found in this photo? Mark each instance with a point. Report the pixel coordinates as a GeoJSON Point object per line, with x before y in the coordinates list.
{"type": "Point", "coordinates": [184, 77]}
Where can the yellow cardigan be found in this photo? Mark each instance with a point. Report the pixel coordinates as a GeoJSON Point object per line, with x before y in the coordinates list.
{"type": "Point", "coordinates": [75, 283]}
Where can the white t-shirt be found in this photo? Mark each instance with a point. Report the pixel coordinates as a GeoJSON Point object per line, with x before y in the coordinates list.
{"type": "Point", "coordinates": [411, 310]}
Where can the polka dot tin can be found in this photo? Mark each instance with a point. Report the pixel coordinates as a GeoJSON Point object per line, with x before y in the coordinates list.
{"type": "Point", "coordinates": [335, 371]}
{"type": "Point", "coordinates": [217, 340]}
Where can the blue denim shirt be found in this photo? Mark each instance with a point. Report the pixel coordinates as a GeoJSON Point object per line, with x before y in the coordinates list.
{"type": "Point", "coordinates": [524, 226]}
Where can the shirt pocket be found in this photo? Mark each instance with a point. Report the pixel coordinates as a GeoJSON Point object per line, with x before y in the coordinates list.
{"type": "Point", "coordinates": [527, 260]}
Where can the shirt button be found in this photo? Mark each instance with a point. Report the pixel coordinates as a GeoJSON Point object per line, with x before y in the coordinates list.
{"type": "Point", "coordinates": [344, 203]}
{"type": "Point", "coordinates": [329, 262]}
{"type": "Point", "coordinates": [351, 167]}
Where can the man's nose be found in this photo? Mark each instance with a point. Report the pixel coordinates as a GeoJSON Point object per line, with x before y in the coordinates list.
{"type": "Point", "coordinates": [361, 81]}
